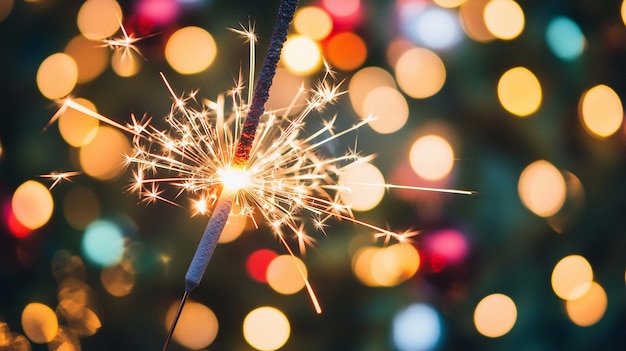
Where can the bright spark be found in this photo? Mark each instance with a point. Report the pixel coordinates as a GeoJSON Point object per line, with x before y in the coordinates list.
{"type": "Point", "coordinates": [58, 177]}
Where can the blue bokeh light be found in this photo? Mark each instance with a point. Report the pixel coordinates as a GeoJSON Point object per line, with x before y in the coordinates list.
{"type": "Point", "coordinates": [103, 243]}
{"type": "Point", "coordinates": [565, 38]}
{"type": "Point", "coordinates": [417, 328]}
{"type": "Point", "coordinates": [431, 26]}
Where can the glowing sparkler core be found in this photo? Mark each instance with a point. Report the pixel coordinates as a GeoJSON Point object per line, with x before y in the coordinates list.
{"type": "Point", "coordinates": [234, 178]}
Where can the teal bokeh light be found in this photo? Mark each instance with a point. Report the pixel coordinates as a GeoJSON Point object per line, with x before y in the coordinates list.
{"type": "Point", "coordinates": [103, 243]}
{"type": "Point", "coordinates": [565, 39]}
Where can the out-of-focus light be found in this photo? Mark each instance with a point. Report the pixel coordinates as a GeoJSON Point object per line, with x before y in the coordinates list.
{"type": "Point", "coordinates": [362, 262]}
{"type": "Point", "coordinates": [394, 264]}
{"type": "Point", "coordinates": [125, 63]}
{"type": "Point", "coordinates": [588, 309]}
{"type": "Point", "coordinates": [448, 244]}
{"type": "Point", "coordinates": [346, 51]}
{"type": "Point", "coordinates": [159, 11]}
{"type": "Point", "coordinates": [197, 326]}
{"type": "Point", "coordinates": [601, 111]}
{"type": "Point", "coordinates": [313, 22]}
{"type": "Point", "coordinates": [32, 204]}
{"type": "Point", "coordinates": [389, 109]}
{"type": "Point", "coordinates": [287, 90]}
{"type": "Point", "coordinates": [90, 57]}
{"type": "Point", "coordinates": [623, 12]}
{"type": "Point", "coordinates": [190, 50]}
{"type": "Point", "coordinates": [417, 328]}
{"type": "Point", "coordinates": [76, 307]}
{"type": "Point", "coordinates": [77, 128]}
{"type": "Point", "coordinates": [99, 19]}
{"type": "Point", "coordinates": [571, 277]}
{"type": "Point", "coordinates": [266, 328]}
{"type": "Point", "coordinates": [284, 274]}
{"type": "Point", "coordinates": [363, 82]}
{"type": "Point", "coordinates": [431, 157]}
{"type": "Point", "coordinates": [396, 48]}
{"type": "Point", "coordinates": [344, 8]}
{"type": "Point", "coordinates": [565, 38]}
{"type": "Point", "coordinates": [473, 23]}
{"type": "Point", "coordinates": [80, 207]}
{"type": "Point", "coordinates": [360, 186]}
{"type": "Point", "coordinates": [57, 75]}
{"type": "Point", "coordinates": [420, 73]}
{"type": "Point", "coordinates": [495, 315]}
{"type": "Point", "coordinates": [449, 3]}
{"type": "Point", "coordinates": [504, 19]}
{"type": "Point", "coordinates": [103, 157]}
{"type": "Point", "coordinates": [5, 9]}
{"type": "Point", "coordinates": [235, 225]}
{"type": "Point", "coordinates": [519, 91]}
{"type": "Point", "coordinates": [13, 224]}
{"type": "Point", "coordinates": [432, 27]}
{"type": "Point", "coordinates": [257, 263]}
{"type": "Point", "coordinates": [541, 188]}
{"type": "Point", "coordinates": [39, 322]}
{"type": "Point", "coordinates": [301, 55]}
{"type": "Point", "coordinates": [117, 281]}
{"type": "Point", "coordinates": [103, 243]}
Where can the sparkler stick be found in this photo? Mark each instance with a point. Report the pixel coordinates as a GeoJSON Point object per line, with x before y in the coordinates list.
{"type": "Point", "coordinates": [218, 219]}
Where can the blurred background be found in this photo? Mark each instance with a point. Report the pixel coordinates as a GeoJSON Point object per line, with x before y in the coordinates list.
{"type": "Point", "coordinates": [518, 101]}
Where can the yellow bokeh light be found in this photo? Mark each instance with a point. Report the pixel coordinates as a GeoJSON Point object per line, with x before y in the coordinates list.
{"type": "Point", "coordinates": [190, 50]}
{"type": "Point", "coordinates": [77, 128]}
{"type": "Point", "coordinates": [39, 322]}
{"type": "Point", "coordinates": [495, 315]}
{"type": "Point", "coordinates": [601, 111]}
{"type": "Point", "coordinates": [361, 186]}
{"type": "Point", "coordinates": [588, 309]}
{"type": "Point", "coordinates": [284, 274]}
{"type": "Point", "coordinates": [504, 19]}
{"type": "Point", "coordinates": [420, 73]}
{"type": "Point", "coordinates": [431, 157]}
{"type": "Point", "coordinates": [81, 207]}
{"type": "Point", "coordinates": [571, 277]}
{"type": "Point", "coordinates": [392, 265]}
{"type": "Point", "coordinates": [266, 328]}
{"type": "Point", "coordinates": [125, 63]}
{"type": "Point", "coordinates": [472, 18]}
{"type": "Point", "coordinates": [362, 265]}
{"type": "Point", "coordinates": [519, 91]}
{"type": "Point", "coordinates": [117, 281]}
{"type": "Point", "coordinates": [32, 204]}
{"type": "Point", "coordinates": [313, 22]}
{"type": "Point", "coordinates": [449, 3]}
{"type": "Point", "coordinates": [90, 57]}
{"type": "Point", "coordinates": [301, 55]}
{"type": "Point", "coordinates": [542, 188]}
{"type": "Point", "coordinates": [99, 19]}
{"type": "Point", "coordinates": [103, 157]}
{"type": "Point", "coordinates": [197, 326]}
{"type": "Point", "coordinates": [363, 82]}
{"type": "Point", "coordinates": [57, 75]}
{"type": "Point", "coordinates": [5, 9]}
{"type": "Point", "coordinates": [388, 108]}
{"type": "Point", "coordinates": [287, 89]}
{"type": "Point", "coordinates": [623, 12]}
{"type": "Point", "coordinates": [235, 225]}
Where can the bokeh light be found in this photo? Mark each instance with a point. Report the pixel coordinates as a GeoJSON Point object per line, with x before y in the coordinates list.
{"type": "Point", "coordinates": [473, 23]}
{"type": "Point", "coordinates": [623, 11]}
{"type": "Point", "coordinates": [125, 63]}
{"type": "Point", "coordinates": [197, 327]}
{"type": "Point", "coordinates": [420, 73]}
{"type": "Point", "coordinates": [77, 128]}
{"type": "Point", "coordinates": [39, 322]}
{"type": "Point", "coordinates": [388, 108]}
{"type": "Point", "coordinates": [266, 328]}
{"type": "Point", "coordinates": [99, 19]}
{"type": "Point", "coordinates": [344, 8]}
{"type": "Point", "coordinates": [160, 11]}
{"type": "Point", "coordinates": [190, 50]}
{"type": "Point", "coordinates": [284, 274]}
{"type": "Point", "coordinates": [76, 307]}
{"type": "Point", "coordinates": [495, 315]}
{"type": "Point", "coordinates": [235, 225]}
{"type": "Point", "coordinates": [588, 309]}
{"type": "Point", "coordinates": [601, 111]}
{"type": "Point", "coordinates": [5, 9]}
{"type": "Point", "coordinates": [117, 281]}
{"type": "Point", "coordinates": [449, 3]}
{"type": "Point", "coordinates": [504, 19]}
{"type": "Point", "coordinates": [365, 81]}
{"type": "Point", "coordinates": [57, 76]}
{"type": "Point", "coordinates": [385, 267]}
{"type": "Point", "coordinates": [287, 90]}
{"type": "Point", "coordinates": [313, 22]}
{"type": "Point", "coordinates": [360, 185]}
{"type": "Point", "coordinates": [417, 328]}
{"type": "Point", "coordinates": [301, 55]}
{"type": "Point", "coordinates": [346, 51]}
{"type": "Point", "coordinates": [431, 157]}
{"type": "Point", "coordinates": [542, 189]}
{"type": "Point", "coordinates": [447, 244]}
{"type": "Point", "coordinates": [103, 157]}
{"type": "Point", "coordinates": [90, 57]}
{"type": "Point", "coordinates": [32, 204]}
{"type": "Point", "coordinates": [103, 243]}
{"type": "Point", "coordinates": [433, 27]}
{"type": "Point", "coordinates": [519, 91]}
{"type": "Point", "coordinates": [81, 207]}
{"type": "Point", "coordinates": [565, 38]}
{"type": "Point", "coordinates": [571, 277]}
{"type": "Point", "coordinates": [257, 263]}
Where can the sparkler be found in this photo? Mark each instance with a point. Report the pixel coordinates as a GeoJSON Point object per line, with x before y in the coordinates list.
{"type": "Point", "coordinates": [231, 153]}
